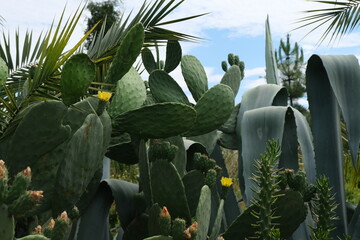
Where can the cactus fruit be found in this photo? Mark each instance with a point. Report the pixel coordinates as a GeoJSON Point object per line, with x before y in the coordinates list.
{"type": "Point", "coordinates": [162, 150]}
{"type": "Point", "coordinates": [165, 222]}
{"type": "Point", "coordinates": [194, 76]}
{"type": "Point", "coordinates": [76, 76]}
{"type": "Point", "coordinates": [178, 228]}
{"type": "Point", "coordinates": [126, 54]}
{"type": "Point", "coordinates": [213, 109]}
{"type": "Point", "coordinates": [210, 178]}
{"type": "Point", "coordinates": [165, 89]}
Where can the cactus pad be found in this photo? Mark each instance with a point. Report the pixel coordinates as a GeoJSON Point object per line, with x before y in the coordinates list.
{"type": "Point", "coordinates": [128, 51]}
{"type": "Point", "coordinates": [165, 89]}
{"type": "Point", "coordinates": [173, 55]}
{"type": "Point", "coordinates": [213, 109]}
{"type": "Point", "coordinates": [168, 189]}
{"type": "Point", "coordinates": [157, 121]}
{"type": "Point", "coordinates": [203, 212]}
{"type": "Point", "coordinates": [232, 78]}
{"type": "Point", "coordinates": [77, 74]}
{"type": "Point", "coordinates": [32, 134]}
{"type": "Point", "coordinates": [194, 75]}
{"type": "Point", "coordinates": [130, 93]}
{"type": "Point", "coordinates": [148, 60]}
{"type": "Point", "coordinates": [82, 160]}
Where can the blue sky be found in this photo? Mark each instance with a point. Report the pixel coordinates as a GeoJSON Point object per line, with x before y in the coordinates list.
{"type": "Point", "coordinates": [236, 26]}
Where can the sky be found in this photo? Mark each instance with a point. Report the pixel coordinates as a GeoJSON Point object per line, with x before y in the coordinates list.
{"type": "Point", "coordinates": [231, 26]}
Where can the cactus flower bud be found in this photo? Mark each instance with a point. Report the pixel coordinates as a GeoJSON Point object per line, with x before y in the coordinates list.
{"type": "Point", "coordinates": [178, 228]}
{"type": "Point", "coordinates": [36, 195]}
{"type": "Point", "coordinates": [193, 229]}
{"type": "Point", "coordinates": [165, 222]}
{"type": "Point", "coordinates": [27, 172]}
{"type": "Point", "coordinates": [220, 238]}
{"type": "Point", "coordinates": [38, 230]}
{"type": "Point", "coordinates": [64, 217]}
{"type": "Point", "coordinates": [51, 224]}
{"type": "Point", "coordinates": [187, 234]}
{"type": "Point", "coordinates": [164, 213]}
{"type": "Point", "coordinates": [3, 170]}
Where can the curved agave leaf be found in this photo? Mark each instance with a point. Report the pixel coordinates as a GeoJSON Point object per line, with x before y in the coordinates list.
{"type": "Point", "coordinates": [262, 124]}
{"type": "Point", "coordinates": [94, 223]}
{"type": "Point", "coordinates": [261, 96]}
{"type": "Point", "coordinates": [333, 82]}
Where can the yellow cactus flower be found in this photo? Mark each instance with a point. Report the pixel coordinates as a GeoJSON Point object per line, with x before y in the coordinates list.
{"type": "Point", "coordinates": [104, 96]}
{"type": "Point", "coordinates": [226, 182]}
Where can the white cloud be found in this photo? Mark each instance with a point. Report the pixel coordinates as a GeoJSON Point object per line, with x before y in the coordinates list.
{"type": "Point", "coordinates": [257, 72]}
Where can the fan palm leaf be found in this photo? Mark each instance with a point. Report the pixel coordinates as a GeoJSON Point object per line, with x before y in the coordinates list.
{"type": "Point", "coordinates": [342, 18]}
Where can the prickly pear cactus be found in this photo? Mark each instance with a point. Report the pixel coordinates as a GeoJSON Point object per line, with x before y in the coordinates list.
{"type": "Point", "coordinates": [130, 93]}
{"type": "Point", "coordinates": [168, 189]}
{"type": "Point", "coordinates": [77, 74]}
{"type": "Point", "coordinates": [165, 89]}
{"type": "Point", "coordinates": [82, 158]}
{"type": "Point", "coordinates": [128, 51]}
{"type": "Point", "coordinates": [173, 55]}
{"type": "Point", "coordinates": [157, 121]}
{"type": "Point", "coordinates": [148, 60]}
{"type": "Point", "coordinates": [203, 211]}
{"type": "Point", "coordinates": [213, 109]}
{"type": "Point", "coordinates": [32, 134]}
{"type": "Point", "coordinates": [194, 76]}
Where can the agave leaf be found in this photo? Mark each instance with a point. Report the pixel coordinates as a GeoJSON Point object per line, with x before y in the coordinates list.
{"type": "Point", "coordinates": [271, 65]}
{"type": "Point", "coordinates": [94, 223]}
{"type": "Point", "coordinates": [262, 124]}
{"type": "Point", "coordinates": [332, 85]}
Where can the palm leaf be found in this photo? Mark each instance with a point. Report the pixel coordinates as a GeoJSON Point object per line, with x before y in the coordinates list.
{"type": "Point", "coordinates": [342, 18]}
{"type": "Point", "coordinates": [150, 15]}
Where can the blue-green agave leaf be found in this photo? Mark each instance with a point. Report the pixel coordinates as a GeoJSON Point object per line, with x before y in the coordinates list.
{"type": "Point", "coordinates": [94, 222]}
{"type": "Point", "coordinates": [332, 82]}
{"type": "Point", "coordinates": [271, 65]}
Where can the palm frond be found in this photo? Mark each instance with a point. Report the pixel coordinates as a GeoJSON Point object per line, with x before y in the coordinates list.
{"type": "Point", "coordinates": [150, 15]}
{"type": "Point", "coordinates": [343, 17]}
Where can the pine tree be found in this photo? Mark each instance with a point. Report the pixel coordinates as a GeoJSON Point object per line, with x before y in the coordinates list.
{"type": "Point", "coordinates": [290, 62]}
{"type": "Point", "coordinates": [98, 11]}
